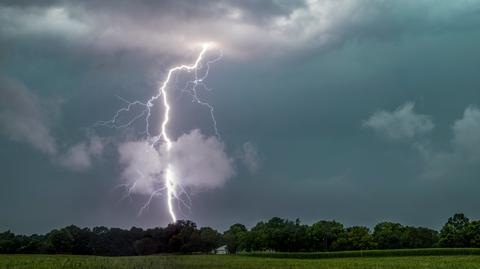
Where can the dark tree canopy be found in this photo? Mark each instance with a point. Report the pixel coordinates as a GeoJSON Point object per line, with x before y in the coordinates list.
{"type": "Point", "coordinates": [235, 237]}
{"type": "Point", "coordinates": [276, 234]}
{"type": "Point", "coordinates": [356, 238]}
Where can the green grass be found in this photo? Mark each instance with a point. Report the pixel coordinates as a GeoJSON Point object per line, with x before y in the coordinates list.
{"type": "Point", "coordinates": [368, 253]}
{"type": "Point", "coordinates": [233, 262]}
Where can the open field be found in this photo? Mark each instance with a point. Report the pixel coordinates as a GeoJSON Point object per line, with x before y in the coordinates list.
{"type": "Point", "coordinates": [368, 253]}
{"type": "Point", "coordinates": [226, 261]}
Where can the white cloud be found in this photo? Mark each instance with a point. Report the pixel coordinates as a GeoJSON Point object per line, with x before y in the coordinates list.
{"type": "Point", "coordinates": [466, 140]}
{"type": "Point", "coordinates": [200, 161]}
{"type": "Point", "coordinates": [465, 149]}
{"type": "Point", "coordinates": [143, 166]}
{"type": "Point", "coordinates": [79, 157]}
{"type": "Point", "coordinates": [197, 161]}
{"type": "Point", "coordinates": [248, 155]}
{"type": "Point", "coordinates": [403, 123]}
{"type": "Point", "coordinates": [460, 159]}
{"type": "Point", "coordinates": [24, 117]}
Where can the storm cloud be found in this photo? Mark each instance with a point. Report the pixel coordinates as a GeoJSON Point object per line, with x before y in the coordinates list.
{"type": "Point", "coordinates": [463, 155]}
{"type": "Point", "coordinates": [24, 116]}
{"type": "Point", "coordinates": [255, 27]}
{"type": "Point", "coordinates": [351, 110]}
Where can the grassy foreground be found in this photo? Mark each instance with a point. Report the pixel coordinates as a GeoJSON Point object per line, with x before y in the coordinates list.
{"type": "Point", "coordinates": [368, 253]}
{"type": "Point", "coordinates": [233, 262]}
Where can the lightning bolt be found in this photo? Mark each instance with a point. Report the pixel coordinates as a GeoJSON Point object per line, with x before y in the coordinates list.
{"type": "Point", "coordinates": [171, 184]}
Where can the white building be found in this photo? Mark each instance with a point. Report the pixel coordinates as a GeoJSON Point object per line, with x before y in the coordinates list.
{"type": "Point", "coordinates": [221, 250]}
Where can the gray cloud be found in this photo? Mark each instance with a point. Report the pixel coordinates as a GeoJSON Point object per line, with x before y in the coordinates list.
{"type": "Point", "coordinates": [79, 157]}
{"type": "Point", "coordinates": [248, 155]}
{"type": "Point", "coordinates": [402, 123]}
{"type": "Point", "coordinates": [24, 116]}
{"type": "Point", "coordinates": [466, 139]}
{"type": "Point", "coordinates": [241, 28]}
{"type": "Point", "coordinates": [464, 155]}
{"type": "Point", "coordinates": [296, 78]}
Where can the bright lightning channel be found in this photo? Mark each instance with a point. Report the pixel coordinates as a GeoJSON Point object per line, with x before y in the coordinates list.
{"type": "Point", "coordinates": [171, 184]}
{"type": "Point", "coordinates": [170, 180]}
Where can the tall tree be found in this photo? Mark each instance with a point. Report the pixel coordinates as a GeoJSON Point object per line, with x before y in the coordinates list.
{"type": "Point", "coordinates": [210, 239]}
{"type": "Point", "coordinates": [235, 238]}
{"type": "Point", "coordinates": [473, 234]}
{"type": "Point", "coordinates": [8, 242]}
{"type": "Point", "coordinates": [419, 237]}
{"type": "Point", "coordinates": [356, 238]}
{"type": "Point", "coordinates": [388, 235]}
{"type": "Point", "coordinates": [323, 235]}
{"type": "Point", "coordinates": [454, 232]}
{"type": "Point", "coordinates": [61, 241]}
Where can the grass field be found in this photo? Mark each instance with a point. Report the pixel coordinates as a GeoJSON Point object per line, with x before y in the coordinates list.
{"type": "Point", "coordinates": [368, 253]}
{"type": "Point", "coordinates": [232, 262]}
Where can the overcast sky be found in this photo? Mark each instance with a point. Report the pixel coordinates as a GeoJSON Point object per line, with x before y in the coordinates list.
{"type": "Point", "coordinates": [355, 110]}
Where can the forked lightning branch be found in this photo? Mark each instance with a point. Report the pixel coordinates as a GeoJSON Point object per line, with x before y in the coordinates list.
{"type": "Point", "coordinates": [171, 186]}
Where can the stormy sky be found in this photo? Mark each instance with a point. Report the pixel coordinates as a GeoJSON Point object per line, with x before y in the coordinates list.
{"type": "Point", "coordinates": [355, 110]}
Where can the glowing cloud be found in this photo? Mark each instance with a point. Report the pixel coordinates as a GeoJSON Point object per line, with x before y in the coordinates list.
{"type": "Point", "coordinates": [158, 163]}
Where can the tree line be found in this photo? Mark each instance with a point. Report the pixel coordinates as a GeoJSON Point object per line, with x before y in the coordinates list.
{"type": "Point", "coordinates": [276, 234]}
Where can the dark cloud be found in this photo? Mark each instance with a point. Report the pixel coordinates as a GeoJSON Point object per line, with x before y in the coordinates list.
{"type": "Point", "coordinates": [256, 10]}
{"type": "Point", "coordinates": [464, 154]}
{"type": "Point", "coordinates": [24, 116]}
{"type": "Point", "coordinates": [242, 28]}
{"type": "Point", "coordinates": [299, 79]}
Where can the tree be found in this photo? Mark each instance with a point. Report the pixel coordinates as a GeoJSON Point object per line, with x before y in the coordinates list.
{"type": "Point", "coordinates": [419, 237]}
{"type": "Point", "coordinates": [112, 242]}
{"type": "Point", "coordinates": [8, 242]}
{"type": "Point", "coordinates": [210, 239]}
{"type": "Point", "coordinates": [145, 246]}
{"type": "Point", "coordinates": [33, 244]}
{"type": "Point", "coordinates": [81, 240]}
{"type": "Point", "coordinates": [299, 237]}
{"type": "Point", "coordinates": [454, 232]}
{"type": "Point", "coordinates": [257, 238]}
{"type": "Point", "coordinates": [160, 236]}
{"type": "Point", "coordinates": [185, 237]}
{"type": "Point", "coordinates": [324, 234]}
{"type": "Point", "coordinates": [388, 235]}
{"type": "Point", "coordinates": [473, 234]}
{"type": "Point", "coordinates": [276, 234]}
{"type": "Point", "coordinates": [235, 238]}
{"type": "Point", "coordinates": [99, 244]}
{"type": "Point", "coordinates": [61, 241]}
{"type": "Point", "coordinates": [356, 238]}
{"type": "Point", "coordinates": [279, 234]}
